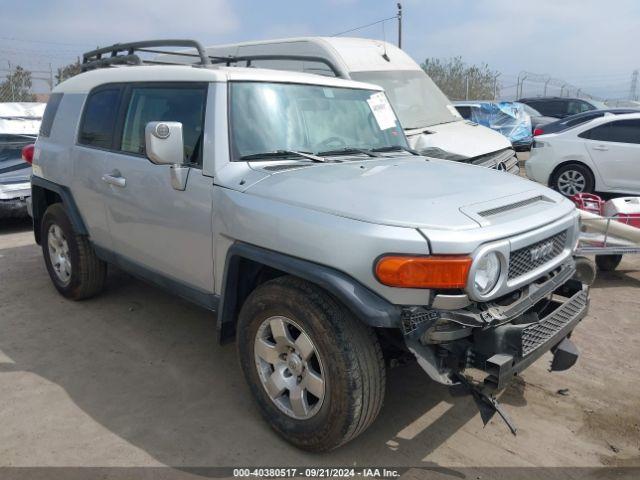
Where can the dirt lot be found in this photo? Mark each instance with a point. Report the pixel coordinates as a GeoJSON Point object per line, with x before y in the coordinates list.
{"type": "Point", "coordinates": [135, 378]}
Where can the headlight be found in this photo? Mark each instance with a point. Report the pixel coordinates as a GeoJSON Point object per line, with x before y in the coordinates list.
{"type": "Point", "coordinates": [487, 273]}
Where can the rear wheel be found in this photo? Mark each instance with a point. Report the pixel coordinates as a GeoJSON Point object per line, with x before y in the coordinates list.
{"type": "Point", "coordinates": [73, 266]}
{"type": "Point", "coordinates": [316, 372]}
{"type": "Point", "coordinates": [572, 179]}
{"type": "Point", "coordinates": [608, 263]}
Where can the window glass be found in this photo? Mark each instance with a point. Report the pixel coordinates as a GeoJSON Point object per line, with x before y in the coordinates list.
{"type": "Point", "coordinates": [548, 108]}
{"type": "Point", "coordinates": [575, 106]}
{"type": "Point", "coordinates": [98, 123]}
{"type": "Point", "coordinates": [306, 66]}
{"type": "Point", "coordinates": [49, 114]}
{"type": "Point", "coordinates": [621, 131]}
{"type": "Point", "coordinates": [464, 111]}
{"type": "Point", "coordinates": [171, 104]}
{"type": "Point", "coordinates": [267, 117]}
{"type": "Point", "coordinates": [415, 97]}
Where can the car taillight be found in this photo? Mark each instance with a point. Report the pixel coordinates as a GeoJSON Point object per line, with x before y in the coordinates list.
{"type": "Point", "coordinates": [538, 131]}
{"type": "Point", "coordinates": [27, 153]}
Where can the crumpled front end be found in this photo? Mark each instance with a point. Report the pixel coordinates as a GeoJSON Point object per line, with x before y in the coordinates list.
{"type": "Point", "coordinates": [499, 338]}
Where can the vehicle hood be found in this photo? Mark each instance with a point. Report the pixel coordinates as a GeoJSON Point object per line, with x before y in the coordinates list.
{"type": "Point", "coordinates": [406, 191]}
{"type": "Point", "coordinates": [465, 139]}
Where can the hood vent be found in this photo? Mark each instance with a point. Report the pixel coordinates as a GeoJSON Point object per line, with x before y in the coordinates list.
{"type": "Point", "coordinates": [514, 206]}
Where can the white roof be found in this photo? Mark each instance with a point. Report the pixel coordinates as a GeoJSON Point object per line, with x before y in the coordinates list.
{"type": "Point", "coordinates": [21, 118]}
{"type": "Point", "coordinates": [83, 83]}
{"type": "Point", "coordinates": [22, 110]}
{"type": "Point", "coordinates": [353, 54]}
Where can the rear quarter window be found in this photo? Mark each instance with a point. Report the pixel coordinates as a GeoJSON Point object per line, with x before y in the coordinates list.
{"type": "Point", "coordinates": [50, 114]}
{"type": "Point", "coordinates": [97, 127]}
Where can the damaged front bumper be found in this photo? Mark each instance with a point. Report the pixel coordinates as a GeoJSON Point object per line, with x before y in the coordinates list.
{"type": "Point", "coordinates": [500, 339]}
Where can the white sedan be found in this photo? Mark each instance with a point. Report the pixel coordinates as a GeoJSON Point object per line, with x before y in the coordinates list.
{"type": "Point", "coordinates": [602, 155]}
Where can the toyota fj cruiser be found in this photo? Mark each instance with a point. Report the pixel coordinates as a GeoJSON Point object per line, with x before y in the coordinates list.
{"type": "Point", "coordinates": [291, 205]}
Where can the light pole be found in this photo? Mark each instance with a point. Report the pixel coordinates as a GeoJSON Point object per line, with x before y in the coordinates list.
{"type": "Point", "coordinates": [399, 25]}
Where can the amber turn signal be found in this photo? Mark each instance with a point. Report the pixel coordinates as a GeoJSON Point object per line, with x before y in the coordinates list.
{"type": "Point", "coordinates": [436, 271]}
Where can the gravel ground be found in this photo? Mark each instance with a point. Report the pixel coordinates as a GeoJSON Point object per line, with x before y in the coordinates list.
{"type": "Point", "coordinates": [134, 377]}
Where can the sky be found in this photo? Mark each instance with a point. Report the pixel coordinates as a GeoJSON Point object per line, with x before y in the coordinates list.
{"type": "Point", "coordinates": [592, 44]}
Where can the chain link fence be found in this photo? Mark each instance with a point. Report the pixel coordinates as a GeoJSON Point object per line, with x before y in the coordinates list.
{"type": "Point", "coordinates": [20, 84]}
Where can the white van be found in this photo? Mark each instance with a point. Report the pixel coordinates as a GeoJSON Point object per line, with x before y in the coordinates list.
{"type": "Point", "coordinates": [432, 124]}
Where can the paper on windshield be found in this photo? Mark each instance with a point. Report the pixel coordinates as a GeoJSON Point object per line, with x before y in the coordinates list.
{"type": "Point", "coordinates": [382, 111]}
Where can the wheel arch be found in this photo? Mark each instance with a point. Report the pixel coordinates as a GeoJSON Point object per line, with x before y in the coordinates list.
{"type": "Point", "coordinates": [247, 266]}
{"type": "Point", "coordinates": [564, 163]}
{"type": "Point", "coordinates": [45, 193]}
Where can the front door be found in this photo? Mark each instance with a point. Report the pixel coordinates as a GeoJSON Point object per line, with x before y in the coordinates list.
{"type": "Point", "coordinates": [153, 225]}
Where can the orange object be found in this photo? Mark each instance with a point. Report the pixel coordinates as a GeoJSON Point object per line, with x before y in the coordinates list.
{"type": "Point", "coordinates": [436, 271]}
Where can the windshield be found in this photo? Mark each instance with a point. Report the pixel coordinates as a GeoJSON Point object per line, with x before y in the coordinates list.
{"type": "Point", "coordinates": [417, 100]}
{"type": "Point", "coordinates": [281, 117]}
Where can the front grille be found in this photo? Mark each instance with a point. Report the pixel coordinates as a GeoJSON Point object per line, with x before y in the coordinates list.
{"type": "Point", "coordinates": [526, 259]}
{"type": "Point", "coordinates": [503, 160]}
{"type": "Point", "coordinates": [537, 334]}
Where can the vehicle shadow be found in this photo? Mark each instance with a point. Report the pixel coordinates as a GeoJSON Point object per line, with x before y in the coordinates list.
{"type": "Point", "coordinates": [615, 279]}
{"type": "Point", "coordinates": [146, 365]}
{"type": "Point", "coordinates": [15, 225]}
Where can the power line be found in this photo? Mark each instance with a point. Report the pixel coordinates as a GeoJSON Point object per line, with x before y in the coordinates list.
{"type": "Point", "coordinates": [364, 26]}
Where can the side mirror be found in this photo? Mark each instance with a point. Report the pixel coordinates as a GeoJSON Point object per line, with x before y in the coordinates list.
{"type": "Point", "coordinates": [163, 143]}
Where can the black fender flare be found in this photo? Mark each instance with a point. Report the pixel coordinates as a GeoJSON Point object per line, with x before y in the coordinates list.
{"type": "Point", "coordinates": [39, 187]}
{"type": "Point", "coordinates": [365, 304]}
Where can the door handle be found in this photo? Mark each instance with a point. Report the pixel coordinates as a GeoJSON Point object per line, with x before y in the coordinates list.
{"type": "Point", "coordinates": [602, 148]}
{"type": "Point", "coordinates": [116, 181]}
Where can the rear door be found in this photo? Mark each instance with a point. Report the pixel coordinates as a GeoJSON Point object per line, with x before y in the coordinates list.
{"type": "Point", "coordinates": [614, 147]}
{"type": "Point", "coordinates": [153, 225]}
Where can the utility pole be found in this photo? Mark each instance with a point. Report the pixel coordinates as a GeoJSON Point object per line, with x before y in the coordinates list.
{"type": "Point", "coordinates": [633, 91]}
{"type": "Point", "coordinates": [399, 25]}
{"type": "Point", "coordinates": [495, 87]}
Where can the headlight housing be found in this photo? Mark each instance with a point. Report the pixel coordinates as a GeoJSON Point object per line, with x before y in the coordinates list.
{"type": "Point", "coordinates": [487, 273]}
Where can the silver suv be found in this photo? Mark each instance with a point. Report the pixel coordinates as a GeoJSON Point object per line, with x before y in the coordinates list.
{"type": "Point", "coordinates": [290, 205]}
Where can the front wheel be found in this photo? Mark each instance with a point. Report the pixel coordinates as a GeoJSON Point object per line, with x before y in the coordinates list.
{"type": "Point", "coordinates": [316, 372]}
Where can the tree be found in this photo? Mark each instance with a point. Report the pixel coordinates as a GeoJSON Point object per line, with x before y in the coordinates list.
{"type": "Point", "coordinates": [67, 71]}
{"type": "Point", "coordinates": [461, 81]}
{"type": "Point", "coordinates": [17, 86]}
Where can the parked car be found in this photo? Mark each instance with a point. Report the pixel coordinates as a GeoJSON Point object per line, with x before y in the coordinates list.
{"type": "Point", "coordinates": [537, 119]}
{"type": "Point", "coordinates": [561, 107]}
{"type": "Point", "coordinates": [19, 125]}
{"type": "Point", "coordinates": [291, 205]}
{"type": "Point", "coordinates": [600, 155]}
{"type": "Point", "coordinates": [578, 119]}
{"type": "Point", "coordinates": [432, 124]}
{"type": "Point", "coordinates": [506, 118]}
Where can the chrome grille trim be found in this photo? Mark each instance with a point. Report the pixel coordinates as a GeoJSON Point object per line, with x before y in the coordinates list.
{"type": "Point", "coordinates": [537, 334]}
{"type": "Point", "coordinates": [521, 261]}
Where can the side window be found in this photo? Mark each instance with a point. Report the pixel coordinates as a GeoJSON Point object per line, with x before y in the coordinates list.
{"type": "Point", "coordinates": [464, 111]}
{"type": "Point", "coordinates": [98, 121]}
{"type": "Point", "coordinates": [576, 106]}
{"type": "Point", "coordinates": [306, 66]}
{"type": "Point", "coordinates": [183, 104]}
{"type": "Point", "coordinates": [621, 131]}
{"type": "Point", "coordinates": [49, 114]}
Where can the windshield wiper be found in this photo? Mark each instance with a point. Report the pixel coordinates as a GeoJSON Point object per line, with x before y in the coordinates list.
{"type": "Point", "coordinates": [282, 153]}
{"type": "Point", "coordinates": [349, 151]}
{"type": "Point", "coordinates": [395, 148]}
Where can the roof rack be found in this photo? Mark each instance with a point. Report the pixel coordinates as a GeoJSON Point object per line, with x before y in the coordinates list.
{"type": "Point", "coordinates": [125, 53]}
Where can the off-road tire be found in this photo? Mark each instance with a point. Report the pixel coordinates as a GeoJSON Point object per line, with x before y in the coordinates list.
{"type": "Point", "coordinates": [355, 374]}
{"type": "Point", "coordinates": [608, 263]}
{"type": "Point", "coordinates": [88, 272]}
